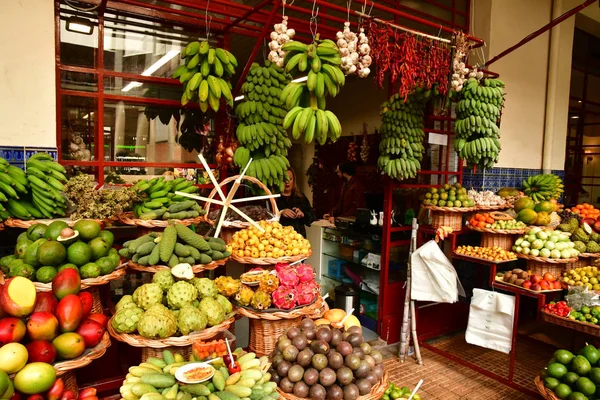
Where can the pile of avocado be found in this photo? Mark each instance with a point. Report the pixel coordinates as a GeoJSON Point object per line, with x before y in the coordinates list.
{"type": "Point", "coordinates": [574, 377]}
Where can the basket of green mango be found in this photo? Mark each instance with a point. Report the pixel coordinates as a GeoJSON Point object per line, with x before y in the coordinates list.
{"type": "Point", "coordinates": [395, 392]}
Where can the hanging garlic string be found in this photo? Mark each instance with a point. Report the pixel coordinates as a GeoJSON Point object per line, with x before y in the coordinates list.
{"type": "Point", "coordinates": [279, 37]}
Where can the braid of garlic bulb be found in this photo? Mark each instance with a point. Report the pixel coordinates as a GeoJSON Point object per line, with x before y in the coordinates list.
{"type": "Point", "coordinates": [354, 50]}
{"type": "Point", "coordinates": [279, 37]}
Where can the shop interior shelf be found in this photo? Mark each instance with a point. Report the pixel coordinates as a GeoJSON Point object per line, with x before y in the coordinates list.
{"type": "Point", "coordinates": [376, 248]}
{"type": "Point", "coordinates": [521, 291]}
{"type": "Point", "coordinates": [332, 278]}
{"type": "Point", "coordinates": [480, 260]}
{"type": "Point", "coordinates": [350, 260]}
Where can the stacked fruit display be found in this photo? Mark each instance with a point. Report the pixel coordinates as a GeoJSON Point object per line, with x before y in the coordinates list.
{"type": "Point", "coordinates": [548, 244]}
{"type": "Point", "coordinates": [561, 308]}
{"type": "Point", "coordinates": [486, 253]}
{"type": "Point", "coordinates": [43, 251]}
{"type": "Point", "coordinates": [586, 211]}
{"type": "Point", "coordinates": [306, 100]}
{"type": "Point", "coordinates": [396, 392]}
{"type": "Point", "coordinates": [543, 187]}
{"type": "Point", "coordinates": [206, 74]}
{"type": "Point", "coordinates": [177, 244]}
{"type": "Point", "coordinates": [586, 314]}
{"type": "Point", "coordinates": [478, 114]}
{"type": "Point", "coordinates": [321, 362]}
{"type": "Point", "coordinates": [169, 305]}
{"type": "Point", "coordinates": [37, 381]}
{"type": "Point", "coordinates": [401, 148]}
{"type": "Point", "coordinates": [285, 288]}
{"type": "Point", "coordinates": [583, 276]}
{"type": "Point", "coordinates": [573, 377]}
{"type": "Point", "coordinates": [159, 200]}
{"type": "Point", "coordinates": [533, 282]}
{"type": "Point", "coordinates": [36, 193]}
{"type": "Point", "coordinates": [155, 379]}
{"type": "Point", "coordinates": [486, 220]}
{"type": "Point", "coordinates": [260, 132]}
{"type": "Point", "coordinates": [532, 213]}
{"type": "Point", "coordinates": [48, 326]}
{"type": "Point", "coordinates": [276, 241]}
{"type": "Point", "coordinates": [586, 240]}
{"type": "Point", "coordinates": [448, 196]}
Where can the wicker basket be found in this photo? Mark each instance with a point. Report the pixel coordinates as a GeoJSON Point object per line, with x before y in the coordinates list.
{"type": "Point", "coordinates": [128, 219]}
{"type": "Point", "coordinates": [267, 327]}
{"type": "Point", "coordinates": [196, 268]}
{"type": "Point", "coordinates": [443, 218]}
{"type": "Point", "coordinates": [147, 352]}
{"type": "Point", "coordinates": [18, 223]}
{"type": "Point", "coordinates": [540, 268]}
{"type": "Point", "coordinates": [501, 240]}
{"type": "Point", "coordinates": [70, 380]}
{"type": "Point", "coordinates": [270, 261]}
{"type": "Point", "coordinates": [497, 231]}
{"type": "Point", "coordinates": [85, 359]}
{"type": "Point", "coordinates": [493, 208]}
{"type": "Point", "coordinates": [90, 282]}
{"type": "Point", "coordinates": [376, 392]}
{"type": "Point", "coordinates": [543, 390]}
{"type": "Point", "coordinates": [253, 180]}
{"type": "Point", "coordinates": [584, 327]}
{"type": "Point", "coordinates": [174, 341]}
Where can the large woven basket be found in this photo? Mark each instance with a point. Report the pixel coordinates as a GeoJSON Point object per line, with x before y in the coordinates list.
{"type": "Point", "coordinates": [253, 180]}
{"type": "Point", "coordinates": [70, 380]}
{"type": "Point", "coordinates": [270, 261]}
{"type": "Point", "coordinates": [501, 240]}
{"type": "Point", "coordinates": [448, 216]}
{"type": "Point", "coordinates": [584, 327]}
{"type": "Point", "coordinates": [267, 327]}
{"type": "Point", "coordinates": [540, 268]}
{"type": "Point", "coordinates": [148, 352]}
{"type": "Point", "coordinates": [174, 341]}
{"type": "Point", "coordinates": [196, 268]}
{"type": "Point", "coordinates": [376, 392]}
{"type": "Point", "coordinates": [90, 282]}
{"type": "Point", "coordinates": [25, 224]}
{"type": "Point", "coordinates": [543, 390]}
{"type": "Point", "coordinates": [128, 219]}
{"type": "Point", "coordinates": [497, 231]}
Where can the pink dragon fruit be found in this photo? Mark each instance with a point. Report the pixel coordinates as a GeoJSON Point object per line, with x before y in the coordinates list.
{"type": "Point", "coordinates": [307, 292]}
{"type": "Point", "coordinates": [280, 266]}
{"type": "Point", "coordinates": [287, 276]}
{"type": "Point", "coordinates": [285, 297]}
{"type": "Point", "coordinates": [305, 273]}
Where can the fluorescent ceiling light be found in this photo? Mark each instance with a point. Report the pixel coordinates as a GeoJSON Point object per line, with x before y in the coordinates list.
{"type": "Point", "coordinates": [239, 98]}
{"type": "Point", "coordinates": [575, 117]}
{"type": "Point", "coordinates": [302, 79]}
{"type": "Point", "coordinates": [86, 116]}
{"type": "Point", "coordinates": [152, 69]}
{"type": "Point", "coordinates": [79, 25]}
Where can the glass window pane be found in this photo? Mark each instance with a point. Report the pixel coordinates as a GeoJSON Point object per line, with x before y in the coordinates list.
{"type": "Point", "coordinates": [78, 81]}
{"type": "Point", "coordinates": [128, 87]}
{"type": "Point", "coordinates": [77, 48]}
{"type": "Point", "coordinates": [143, 47]}
{"type": "Point", "coordinates": [159, 134]}
{"type": "Point", "coordinates": [77, 131]}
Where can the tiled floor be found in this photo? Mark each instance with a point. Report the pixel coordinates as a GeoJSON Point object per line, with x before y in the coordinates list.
{"type": "Point", "coordinates": [447, 380]}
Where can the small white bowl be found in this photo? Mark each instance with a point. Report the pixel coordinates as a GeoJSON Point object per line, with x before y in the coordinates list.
{"type": "Point", "coordinates": [180, 374]}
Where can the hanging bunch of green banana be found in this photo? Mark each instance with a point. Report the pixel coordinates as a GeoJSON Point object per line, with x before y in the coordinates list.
{"type": "Point", "coordinates": [206, 74]}
{"type": "Point", "coordinates": [260, 132]}
{"type": "Point", "coordinates": [401, 146]}
{"type": "Point", "coordinates": [306, 101]}
{"type": "Point", "coordinates": [477, 118]}
{"type": "Point", "coordinates": [161, 202]}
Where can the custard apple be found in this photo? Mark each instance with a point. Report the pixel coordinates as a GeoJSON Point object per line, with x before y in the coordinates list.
{"type": "Point", "coordinates": [164, 278]}
{"type": "Point", "coordinates": [157, 322]}
{"type": "Point", "coordinates": [125, 302]}
{"type": "Point", "coordinates": [126, 319]}
{"type": "Point", "coordinates": [227, 307]}
{"type": "Point", "coordinates": [148, 295]}
{"type": "Point", "coordinates": [592, 247]}
{"type": "Point", "coordinates": [213, 310]}
{"type": "Point", "coordinates": [206, 287]}
{"type": "Point", "coordinates": [191, 319]}
{"type": "Point", "coordinates": [580, 235]}
{"type": "Point", "coordinates": [579, 246]}
{"type": "Point", "coordinates": [180, 294]}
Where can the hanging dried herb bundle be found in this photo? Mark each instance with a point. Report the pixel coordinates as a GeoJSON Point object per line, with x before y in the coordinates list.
{"type": "Point", "coordinates": [412, 61]}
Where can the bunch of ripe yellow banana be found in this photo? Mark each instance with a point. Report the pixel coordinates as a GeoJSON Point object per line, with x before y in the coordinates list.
{"type": "Point", "coordinates": [260, 131]}
{"type": "Point", "coordinates": [306, 101]}
{"type": "Point", "coordinates": [37, 193]}
{"type": "Point", "coordinates": [543, 187]}
{"type": "Point", "coordinates": [476, 126]}
{"type": "Point", "coordinates": [205, 75]}
{"type": "Point", "coordinates": [401, 146]}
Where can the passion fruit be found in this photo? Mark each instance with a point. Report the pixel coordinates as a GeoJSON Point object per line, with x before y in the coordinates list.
{"type": "Point", "coordinates": [352, 361]}
{"type": "Point", "coordinates": [336, 337]}
{"type": "Point", "coordinates": [376, 356]}
{"type": "Point", "coordinates": [311, 376]}
{"type": "Point", "coordinates": [365, 347]}
{"type": "Point", "coordinates": [335, 392]}
{"type": "Point", "coordinates": [358, 352]}
{"type": "Point", "coordinates": [364, 386]}
{"type": "Point", "coordinates": [324, 333]}
{"type": "Point", "coordinates": [300, 341]}
{"type": "Point", "coordinates": [282, 343]}
{"type": "Point", "coordinates": [319, 361]}
{"type": "Point", "coordinates": [335, 360]}
{"type": "Point", "coordinates": [370, 360]}
{"type": "Point", "coordinates": [363, 370]}
{"type": "Point", "coordinates": [310, 333]}
{"type": "Point", "coordinates": [327, 377]}
{"type": "Point", "coordinates": [344, 348]}
{"type": "Point", "coordinates": [295, 373]}
{"type": "Point", "coordinates": [317, 392]}
{"type": "Point", "coordinates": [307, 323]}
{"type": "Point", "coordinates": [320, 347]}
{"type": "Point", "coordinates": [355, 329]}
{"type": "Point", "coordinates": [355, 339]}
{"type": "Point", "coordinates": [344, 376]}
{"type": "Point", "coordinates": [372, 377]}
{"type": "Point", "coordinates": [290, 353]}
{"type": "Point", "coordinates": [351, 392]}
{"type": "Point", "coordinates": [301, 389]}
{"type": "Point", "coordinates": [305, 357]}
{"type": "Point", "coordinates": [286, 385]}
{"type": "Point", "coordinates": [283, 367]}
{"type": "Point", "coordinates": [293, 332]}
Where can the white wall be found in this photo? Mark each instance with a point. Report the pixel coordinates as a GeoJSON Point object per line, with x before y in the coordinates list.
{"type": "Point", "coordinates": [27, 80]}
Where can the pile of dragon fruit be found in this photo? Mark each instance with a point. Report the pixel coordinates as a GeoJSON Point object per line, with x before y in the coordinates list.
{"type": "Point", "coordinates": [285, 287]}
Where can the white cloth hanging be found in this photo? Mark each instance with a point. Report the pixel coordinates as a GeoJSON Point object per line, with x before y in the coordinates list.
{"type": "Point", "coordinates": [491, 318]}
{"type": "Point", "coordinates": [433, 276]}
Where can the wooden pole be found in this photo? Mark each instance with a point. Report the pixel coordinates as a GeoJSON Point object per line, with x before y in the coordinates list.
{"type": "Point", "coordinates": [405, 332]}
